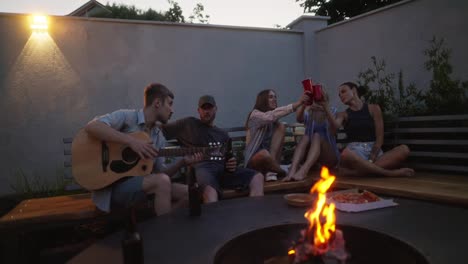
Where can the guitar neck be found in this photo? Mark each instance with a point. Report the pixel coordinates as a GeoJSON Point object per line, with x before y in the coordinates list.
{"type": "Point", "coordinates": [175, 152]}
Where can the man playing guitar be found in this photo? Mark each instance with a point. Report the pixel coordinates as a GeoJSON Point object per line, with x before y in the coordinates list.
{"type": "Point", "coordinates": [115, 127]}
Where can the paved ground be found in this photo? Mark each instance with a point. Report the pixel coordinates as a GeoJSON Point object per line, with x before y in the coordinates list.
{"type": "Point", "coordinates": [439, 232]}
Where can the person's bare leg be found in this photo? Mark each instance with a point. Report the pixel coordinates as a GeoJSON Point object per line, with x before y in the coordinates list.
{"type": "Point", "coordinates": [262, 161]}
{"type": "Point", "coordinates": [393, 158]}
{"type": "Point", "coordinates": [256, 185]}
{"type": "Point", "coordinates": [328, 154]}
{"type": "Point", "coordinates": [277, 141]}
{"type": "Point", "coordinates": [210, 195]}
{"type": "Point", "coordinates": [298, 156]}
{"type": "Point", "coordinates": [347, 172]}
{"type": "Point", "coordinates": [179, 195]}
{"type": "Point", "coordinates": [312, 156]}
{"type": "Point", "coordinates": [352, 161]}
{"type": "Point", "coordinates": [159, 185]}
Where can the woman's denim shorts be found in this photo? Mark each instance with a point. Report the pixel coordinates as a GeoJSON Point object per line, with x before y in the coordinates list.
{"type": "Point", "coordinates": [363, 149]}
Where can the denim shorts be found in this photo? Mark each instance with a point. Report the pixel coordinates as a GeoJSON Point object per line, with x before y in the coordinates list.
{"type": "Point", "coordinates": [127, 192]}
{"type": "Point", "coordinates": [213, 174]}
{"type": "Point", "coordinates": [363, 149]}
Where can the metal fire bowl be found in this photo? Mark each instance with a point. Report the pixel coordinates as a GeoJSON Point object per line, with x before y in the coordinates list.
{"type": "Point", "coordinates": [365, 246]}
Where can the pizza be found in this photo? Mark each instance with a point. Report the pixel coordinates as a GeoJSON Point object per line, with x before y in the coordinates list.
{"type": "Point", "coordinates": [355, 198]}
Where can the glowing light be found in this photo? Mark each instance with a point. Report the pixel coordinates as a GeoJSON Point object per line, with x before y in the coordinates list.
{"type": "Point", "coordinates": [39, 23]}
{"type": "Point", "coordinates": [322, 232]}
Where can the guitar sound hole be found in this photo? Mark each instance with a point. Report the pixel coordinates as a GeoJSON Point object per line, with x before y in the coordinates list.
{"type": "Point", "coordinates": [128, 155]}
{"type": "Point", "coordinates": [144, 167]}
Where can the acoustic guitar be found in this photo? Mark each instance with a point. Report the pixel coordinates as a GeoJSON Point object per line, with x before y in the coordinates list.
{"type": "Point", "coordinates": [97, 164]}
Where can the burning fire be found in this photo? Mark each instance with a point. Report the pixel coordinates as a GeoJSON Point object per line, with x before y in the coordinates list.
{"type": "Point", "coordinates": [322, 237]}
{"type": "Point", "coordinates": [323, 232]}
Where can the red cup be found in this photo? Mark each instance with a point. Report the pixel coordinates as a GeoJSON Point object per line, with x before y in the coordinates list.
{"type": "Point", "coordinates": [317, 95]}
{"type": "Point", "coordinates": [308, 89]}
{"type": "Point", "coordinates": [307, 84]}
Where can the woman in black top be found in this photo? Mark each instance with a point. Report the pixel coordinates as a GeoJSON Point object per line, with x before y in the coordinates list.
{"type": "Point", "coordinates": [364, 128]}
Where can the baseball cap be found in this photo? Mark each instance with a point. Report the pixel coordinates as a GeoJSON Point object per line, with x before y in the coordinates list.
{"type": "Point", "coordinates": [206, 99]}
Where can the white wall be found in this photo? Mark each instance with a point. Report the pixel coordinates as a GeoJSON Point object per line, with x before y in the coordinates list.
{"type": "Point", "coordinates": [399, 35]}
{"type": "Point", "coordinates": [52, 85]}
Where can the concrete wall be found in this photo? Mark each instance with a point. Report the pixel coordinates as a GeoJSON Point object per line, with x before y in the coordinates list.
{"type": "Point", "coordinates": [51, 85]}
{"type": "Point", "coordinates": [398, 34]}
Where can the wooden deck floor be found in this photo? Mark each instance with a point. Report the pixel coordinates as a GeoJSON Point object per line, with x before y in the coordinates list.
{"type": "Point", "coordinates": [451, 189]}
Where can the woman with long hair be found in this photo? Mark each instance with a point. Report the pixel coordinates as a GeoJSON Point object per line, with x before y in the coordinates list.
{"type": "Point", "coordinates": [265, 134]}
{"type": "Point", "coordinates": [318, 142]}
{"type": "Point", "coordinates": [363, 124]}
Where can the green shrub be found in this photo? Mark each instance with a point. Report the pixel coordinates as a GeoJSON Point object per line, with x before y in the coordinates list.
{"type": "Point", "coordinates": [444, 96]}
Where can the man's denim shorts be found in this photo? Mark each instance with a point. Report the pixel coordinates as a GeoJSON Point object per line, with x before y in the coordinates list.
{"type": "Point", "coordinates": [127, 192]}
{"type": "Point", "coordinates": [213, 174]}
{"type": "Point", "coordinates": [363, 149]}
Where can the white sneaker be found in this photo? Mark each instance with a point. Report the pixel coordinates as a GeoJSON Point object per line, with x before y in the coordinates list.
{"type": "Point", "coordinates": [271, 176]}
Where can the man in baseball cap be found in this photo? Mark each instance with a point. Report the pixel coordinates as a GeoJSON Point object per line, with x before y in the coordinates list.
{"type": "Point", "coordinates": [213, 175]}
{"type": "Point", "coordinates": [206, 99]}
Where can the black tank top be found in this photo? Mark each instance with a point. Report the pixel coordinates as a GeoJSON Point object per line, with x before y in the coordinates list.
{"type": "Point", "coordinates": [360, 125]}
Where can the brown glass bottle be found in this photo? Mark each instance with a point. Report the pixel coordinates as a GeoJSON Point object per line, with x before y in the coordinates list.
{"type": "Point", "coordinates": [194, 194]}
{"type": "Point", "coordinates": [132, 243]}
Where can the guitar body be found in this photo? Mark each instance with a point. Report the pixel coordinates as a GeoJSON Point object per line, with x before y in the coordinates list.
{"type": "Point", "coordinates": [97, 164]}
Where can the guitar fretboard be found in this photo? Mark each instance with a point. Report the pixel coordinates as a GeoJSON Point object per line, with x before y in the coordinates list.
{"type": "Point", "coordinates": [181, 151]}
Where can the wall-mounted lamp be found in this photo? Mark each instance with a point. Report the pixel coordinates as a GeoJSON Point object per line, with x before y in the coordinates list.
{"type": "Point", "coordinates": [39, 23]}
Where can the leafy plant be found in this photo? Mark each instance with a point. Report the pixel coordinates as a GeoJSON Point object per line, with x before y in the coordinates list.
{"type": "Point", "coordinates": [411, 100]}
{"type": "Point", "coordinates": [339, 10]}
{"type": "Point", "coordinates": [198, 15]}
{"type": "Point", "coordinates": [445, 95]}
{"type": "Point", "coordinates": [394, 100]}
{"type": "Point", "coordinates": [123, 11]}
{"type": "Point", "coordinates": [36, 186]}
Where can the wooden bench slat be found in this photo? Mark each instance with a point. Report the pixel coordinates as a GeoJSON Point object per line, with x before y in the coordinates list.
{"type": "Point", "coordinates": [433, 118]}
{"type": "Point", "coordinates": [234, 129]}
{"type": "Point", "coordinates": [428, 142]}
{"type": "Point", "coordinates": [239, 138]}
{"type": "Point", "coordinates": [59, 208]}
{"type": "Point", "coordinates": [453, 155]}
{"type": "Point", "coordinates": [67, 140]}
{"type": "Point", "coordinates": [430, 130]}
{"type": "Point", "coordinates": [439, 167]}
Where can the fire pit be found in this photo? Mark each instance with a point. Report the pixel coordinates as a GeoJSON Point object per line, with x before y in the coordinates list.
{"type": "Point", "coordinates": [270, 246]}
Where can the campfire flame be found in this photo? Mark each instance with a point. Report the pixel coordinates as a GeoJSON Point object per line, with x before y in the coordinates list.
{"type": "Point", "coordinates": [321, 240]}
{"type": "Point", "coordinates": [322, 213]}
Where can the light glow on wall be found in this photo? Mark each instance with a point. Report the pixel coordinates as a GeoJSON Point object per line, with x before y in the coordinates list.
{"type": "Point", "coordinates": [39, 23]}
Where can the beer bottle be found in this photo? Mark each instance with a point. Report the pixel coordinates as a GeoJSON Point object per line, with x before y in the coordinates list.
{"type": "Point", "coordinates": [132, 244]}
{"type": "Point", "coordinates": [194, 194]}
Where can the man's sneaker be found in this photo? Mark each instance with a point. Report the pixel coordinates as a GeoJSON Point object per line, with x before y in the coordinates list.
{"type": "Point", "coordinates": [271, 176]}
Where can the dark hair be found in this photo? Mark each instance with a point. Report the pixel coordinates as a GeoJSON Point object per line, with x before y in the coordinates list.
{"type": "Point", "coordinates": [261, 103]}
{"type": "Point", "coordinates": [361, 90]}
{"type": "Point", "coordinates": [156, 90]}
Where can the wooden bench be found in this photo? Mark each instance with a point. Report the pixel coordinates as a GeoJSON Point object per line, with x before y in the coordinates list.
{"type": "Point", "coordinates": [439, 154]}
{"type": "Point", "coordinates": [438, 143]}
{"type": "Point", "coordinates": [75, 208]}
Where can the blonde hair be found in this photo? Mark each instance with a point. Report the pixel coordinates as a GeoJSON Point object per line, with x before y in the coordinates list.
{"type": "Point", "coordinates": [320, 116]}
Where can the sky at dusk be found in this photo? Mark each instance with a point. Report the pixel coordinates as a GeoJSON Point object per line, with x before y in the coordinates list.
{"type": "Point", "coordinates": [254, 13]}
